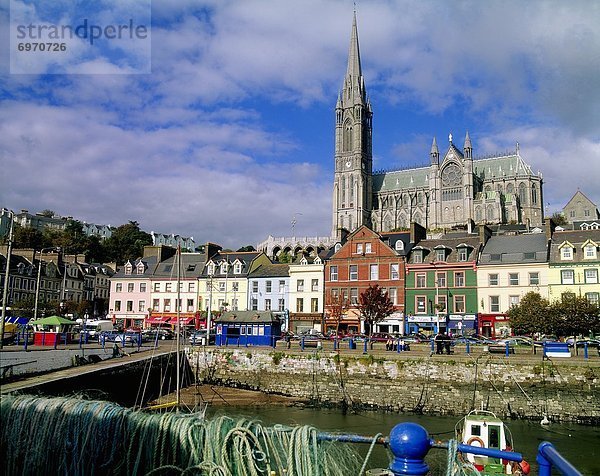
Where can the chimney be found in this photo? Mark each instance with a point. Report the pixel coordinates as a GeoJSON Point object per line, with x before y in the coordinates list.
{"type": "Point", "coordinates": [550, 226]}
{"type": "Point", "coordinates": [484, 234]}
{"type": "Point", "coordinates": [417, 232]}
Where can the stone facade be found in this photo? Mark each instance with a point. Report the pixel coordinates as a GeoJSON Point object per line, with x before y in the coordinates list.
{"type": "Point", "coordinates": [452, 190]}
{"type": "Point", "coordinates": [529, 389]}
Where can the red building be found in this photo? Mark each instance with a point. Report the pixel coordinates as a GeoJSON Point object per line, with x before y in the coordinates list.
{"type": "Point", "coordinates": [366, 258]}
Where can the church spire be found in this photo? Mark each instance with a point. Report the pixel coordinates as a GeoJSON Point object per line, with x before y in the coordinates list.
{"type": "Point", "coordinates": [468, 148]}
{"type": "Point", "coordinates": [354, 83]}
{"type": "Point", "coordinates": [354, 68]}
{"type": "Point", "coordinates": [434, 153]}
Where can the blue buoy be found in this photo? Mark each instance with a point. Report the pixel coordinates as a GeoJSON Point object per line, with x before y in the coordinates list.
{"type": "Point", "coordinates": [409, 443]}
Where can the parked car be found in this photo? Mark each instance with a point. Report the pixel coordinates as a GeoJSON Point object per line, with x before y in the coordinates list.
{"type": "Point", "coordinates": [128, 338]}
{"type": "Point", "coordinates": [518, 341]}
{"type": "Point", "coordinates": [161, 334]}
{"type": "Point", "coordinates": [199, 337]}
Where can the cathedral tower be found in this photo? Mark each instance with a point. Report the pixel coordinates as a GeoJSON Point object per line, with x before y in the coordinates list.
{"type": "Point", "coordinates": [352, 187]}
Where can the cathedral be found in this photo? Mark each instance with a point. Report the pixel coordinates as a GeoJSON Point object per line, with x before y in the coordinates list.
{"type": "Point", "coordinates": [454, 189]}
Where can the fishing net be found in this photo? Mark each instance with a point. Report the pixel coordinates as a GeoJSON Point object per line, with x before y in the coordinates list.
{"type": "Point", "coordinates": [76, 437]}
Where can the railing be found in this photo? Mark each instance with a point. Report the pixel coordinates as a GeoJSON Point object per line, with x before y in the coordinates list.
{"type": "Point", "coordinates": [410, 443]}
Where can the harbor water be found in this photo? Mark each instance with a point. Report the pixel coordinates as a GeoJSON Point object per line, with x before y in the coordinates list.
{"type": "Point", "coordinates": [579, 444]}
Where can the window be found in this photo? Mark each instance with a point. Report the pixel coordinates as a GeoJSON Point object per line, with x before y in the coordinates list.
{"type": "Point", "coordinates": [300, 286]}
{"type": "Point", "coordinates": [566, 253]}
{"type": "Point", "coordinates": [394, 271]}
{"type": "Point", "coordinates": [210, 269]}
{"type": "Point", "coordinates": [190, 305]}
{"type": "Point", "coordinates": [167, 305]}
{"type": "Point", "coordinates": [234, 304]}
{"type": "Point", "coordinates": [314, 305]}
{"type": "Point", "coordinates": [441, 303]}
{"type": "Point", "coordinates": [281, 287]}
{"type": "Point", "coordinates": [142, 287]}
{"type": "Point", "coordinates": [440, 279]}
{"type": "Point", "coordinates": [493, 279]}
{"type": "Point", "coordinates": [333, 273]}
{"type": "Point", "coordinates": [168, 287]}
{"type": "Point", "coordinates": [393, 295]}
{"type": "Point", "coordinates": [237, 268]}
{"type": "Point", "coordinates": [494, 303]}
{"type": "Point", "coordinates": [374, 272]}
{"type": "Point", "coordinates": [254, 304]}
{"type": "Point", "coordinates": [117, 306]}
{"type": "Point", "coordinates": [513, 300]}
{"type": "Point", "coordinates": [440, 255]}
{"type": "Point", "coordinates": [589, 252]}
{"type": "Point", "coordinates": [418, 256]}
{"type": "Point", "coordinates": [421, 304]}
{"type": "Point", "coordinates": [567, 276]}
{"type": "Point", "coordinates": [513, 279]}
{"type": "Point", "coordinates": [141, 306]}
{"type": "Point", "coordinates": [534, 279]}
{"type": "Point", "coordinates": [463, 254]}
{"type": "Point", "coordinates": [529, 255]}
{"type": "Point", "coordinates": [267, 304]}
{"type": "Point", "coordinates": [235, 286]}
{"type": "Point", "coordinates": [130, 287]}
{"type": "Point", "coordinates": [223, 268]}
{"type": "Point", "coordinates": [359, 248]}
{"type": "Point", "coordinates": [367, 247]}
{"type": "Point", "coordinates": [421, 280]}
{"type": "Point", "coordinates": [314, 285]}
{"type": "Point", "coordinates": [591, 276]}
{"type": "Point", "coordinates": [459, 279]}
{"type": "Point", "coordinates": [281, 306]}
{"type": "Point", "coordinates": [299, 305]}
{"type": "Point", "coordinates": [353, 272]}
{"type": "Point", "coordinates": [593, 298]}
{"type": "Point", "coordinates": [459, 304]}
{"type": "Point", "coordinates": [119, 287]}
{"type": "Point", "coordinates": [268, 286]}
{"type": "Point", "coordinates": [191, 287]}
{"type": "Point", "coordinates": [353, 296]}
{"type": "Point", "coordinates": [222, 286]}
{"type": "Point", "coordinates": [155, 304]}
{"type": "Point", "coordinates": [156, 287]}
{"type": "Point", "coordinates": [254, 288]}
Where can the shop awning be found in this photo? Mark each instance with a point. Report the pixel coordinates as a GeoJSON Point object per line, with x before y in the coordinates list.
{"type": "Point", "coordinates": [158, 319]}
{"type": "Point", "coordinates": [183, 321]}
{"type": "Point", "coordinates": [16, 320]}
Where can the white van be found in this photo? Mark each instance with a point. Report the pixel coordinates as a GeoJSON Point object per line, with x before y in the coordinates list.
{"type": "Point", "coordinates": [94, 328]}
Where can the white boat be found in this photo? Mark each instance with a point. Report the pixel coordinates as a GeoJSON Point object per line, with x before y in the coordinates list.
{"type": "Point", "coordinates": [485, 430]}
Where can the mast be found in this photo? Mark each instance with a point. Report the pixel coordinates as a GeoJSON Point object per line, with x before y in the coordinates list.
{"type": "Point", "coordinates": [178, 377]}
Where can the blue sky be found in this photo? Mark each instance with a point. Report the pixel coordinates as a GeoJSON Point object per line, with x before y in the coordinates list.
{"type": "Point", "coordinates": [231, 133]}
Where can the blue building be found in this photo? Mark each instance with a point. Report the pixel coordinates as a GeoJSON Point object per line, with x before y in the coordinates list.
{"type": "Point", "coordinates": [248, 328]}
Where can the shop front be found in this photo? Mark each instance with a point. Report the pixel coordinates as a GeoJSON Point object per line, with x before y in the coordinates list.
{"type": "Point", "coordinates": [494, 325]}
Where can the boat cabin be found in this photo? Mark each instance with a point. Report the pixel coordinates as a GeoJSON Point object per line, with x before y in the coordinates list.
{"type": "Point", "coordinates": [247, 328]}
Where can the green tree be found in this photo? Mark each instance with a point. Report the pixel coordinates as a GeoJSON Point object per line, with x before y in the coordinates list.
{"type": "Point", "coordinates": [27, 237]}
{"type": "Point", "coordinates": [72, 239]}
{"type": "Point", "coordinates": [533, 314]}
{"type": "Point", "coordinates": [559, 219]}
{"type": "Point", "coordinates": [127, 242]}
{"type": "Point", "coordinates": [285, 257]}
{"type": "Point", "coordinates": [374, 305]}
{"type": "Point", "coordinates": [47, 213]}
{"type": "Point", "coordinates": [336, 306]}
{"type": "Point", "coordinates": [575, 315]}
{"type": "Point", "coordinates": [247, 248]}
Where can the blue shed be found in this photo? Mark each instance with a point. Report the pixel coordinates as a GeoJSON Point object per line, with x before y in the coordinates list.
{"type": "Point", "coordinates": [248, 328]}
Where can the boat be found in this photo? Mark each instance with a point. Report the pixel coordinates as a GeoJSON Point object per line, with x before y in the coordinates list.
{"type": "Point", "coordinates": [484, 429]}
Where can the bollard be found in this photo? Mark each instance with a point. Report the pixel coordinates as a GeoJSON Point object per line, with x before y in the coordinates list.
{"type": "Point", "coordinates": [26, 340]}
{"type": "Point", "coordinates": [43, 337]}
{"type": "Point", "coordinates": [398, 346]}
{"type": "Point", "coordinates": [80, 340]}
{"type": "Point", "coordinates": [365, 346]}
{"type": "Point", "coordinates": [302, 344]}
{"type": "Point", "coordinates": [432, 346]}
{"type": "Point", "coordinates": [103, 341]}
{"type": "Point", "coordinates": [468, 348]}
{"type": "Point", "coordinates": [585, 350]}
{"type": "Point", "coordinates": [507, 350]}
{"type": "Point", "coordinates": [56, 337]}
{"type": "Point", "coordinates": [409, 443]}
{"type": "Point", "coordinates": [335, 343]}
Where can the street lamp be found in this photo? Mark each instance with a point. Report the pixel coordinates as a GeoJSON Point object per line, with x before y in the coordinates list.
{"type": "Point", "coordinates": [6, 275]}
{"type": "Point", "coordinates": [39, 277]}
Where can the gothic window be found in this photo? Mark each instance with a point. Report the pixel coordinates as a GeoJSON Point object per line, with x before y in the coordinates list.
{"type": "Point", "coordinates": [533, 194]}
{"type": "Point", "coordinates": [343, 188]}
{"type": "Point", "coordinates": [351, 190]}
{"type": "Point", "coordinates": [405, 200]}
{"type": "Point", "coordinates": [350, 223]}
{"type": "Point", "coordinates": [417, 218]}
{"type": "Point", "coordinates": [420, 198]}
{"type": "Point", "coordinates": [510, 188]}
{"type": "Point", "coordinates": [451, 175]}
{"type": "Point", "coordinates": [489, 213]}
{"type": "Point", "coordinates": [347, 142]}
{"type": "Point", "coordinates": [499, 188]}
{"type": "Point", "coordinates": [522, 193]}
{"type": "Point", "coordinates": [487, 188]}
{"type": "Point", "coordinates": [478, 214]}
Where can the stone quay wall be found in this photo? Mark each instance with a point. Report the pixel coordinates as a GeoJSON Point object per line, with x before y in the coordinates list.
{"type": "Point", "coordinates": [526, 387]}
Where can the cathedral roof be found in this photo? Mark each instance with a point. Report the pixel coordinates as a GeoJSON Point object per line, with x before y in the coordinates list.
{"type": "Point", "coordinates": [401, 179]}
{"type": "Point", "coordinates": [508, 166]}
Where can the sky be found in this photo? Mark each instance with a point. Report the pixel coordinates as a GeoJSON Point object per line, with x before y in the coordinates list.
{"type": "Point", "coordinates": [216, 119]}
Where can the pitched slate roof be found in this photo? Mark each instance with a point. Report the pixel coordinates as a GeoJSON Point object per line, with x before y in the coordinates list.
{"type": "Point", "coordinates": [248, 317]}
{"type": "Point", "coordinates": [531, 248]}
{"type": "Point", "coordinates": [276, 270]}
{"type": "Point", "coordinates": [471, 241]}
{"type": "Point", "coordinates": [577, 238]}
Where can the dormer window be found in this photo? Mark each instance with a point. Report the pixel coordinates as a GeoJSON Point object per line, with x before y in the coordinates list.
{"type": "Point", "coordinates": [589, 251]}
{"type": "Point", "coordinates": [210, 269]}
{"type": "Point", "coordinates": [237, 268]}
{"type": "Point", "coordinates": [140, 268]}
{"type": "Point", "coordinates": [463, 252]}
{"type": "Point", "coordinates": [399, 246]}
{"type": "Point", "coordinates": [223, 267]}
{"type": "Point", "coordinates": [566, 253]}
{"type": "Point", "coordinates": [128, 268]}
{"type": "Point", "coordinates": [440, 254]}
{"type": "Point", "coordinates": [304, 261]}
{"type": "Point", "coordinates": [418, 256]}
{"type": "Point", "coordinates": [317, 260]}
{"type": "Point", "coordinates": [337, 247]}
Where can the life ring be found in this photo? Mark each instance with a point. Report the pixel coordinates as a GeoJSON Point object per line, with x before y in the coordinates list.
{"type": "Point", "coordinates": [475, 439]}
{"type": "Point", "coordinates": [525, 467]}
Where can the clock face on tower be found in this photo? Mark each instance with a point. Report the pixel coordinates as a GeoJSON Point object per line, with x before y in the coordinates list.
{"type": "Point", "coordinates": [451, 176]}
{"type": "Point", "coordinates": [348, 164]}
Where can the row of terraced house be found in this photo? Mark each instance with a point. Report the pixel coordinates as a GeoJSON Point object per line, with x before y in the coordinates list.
{"type": "Point", "coordinates": [463, 282]}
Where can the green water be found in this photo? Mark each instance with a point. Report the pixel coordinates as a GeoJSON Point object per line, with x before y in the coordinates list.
{"type": "Point", "coordinates": [579, 444]}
